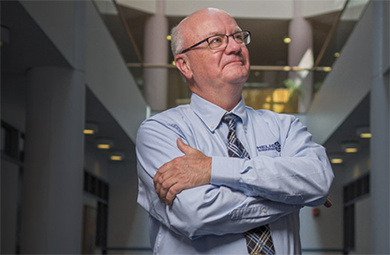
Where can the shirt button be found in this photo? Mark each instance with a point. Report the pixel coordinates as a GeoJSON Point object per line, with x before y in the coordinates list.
{"type": "Point", "coordinates": [212, 126]}
{"type": "Point", "coordinates": [264, 210]}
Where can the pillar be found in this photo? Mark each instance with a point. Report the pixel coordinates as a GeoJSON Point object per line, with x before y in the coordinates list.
{"type": "Point", "coordinates": [300, 53]}
{"type": "Point", "coordinates": [52, 195]}
{"type": "Point", "coordinates": [53, 173]}
{"type": "Point", "coordinates": [156, 49]}
{"type": "Point", "coordinates": [379, 124]}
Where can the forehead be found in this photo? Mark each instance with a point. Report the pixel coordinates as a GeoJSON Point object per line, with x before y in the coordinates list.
{"type": "Point", "coordinates": [209, 22]}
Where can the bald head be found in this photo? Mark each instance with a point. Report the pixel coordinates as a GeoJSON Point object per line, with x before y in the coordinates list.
{"type": "Point", "coordinates": [183, 31]}
{"type": "Point", "coordinates": [216, 74]}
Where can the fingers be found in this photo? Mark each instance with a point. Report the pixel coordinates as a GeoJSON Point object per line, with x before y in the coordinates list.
{"type": "Point", "coordinates": [172, 192]}
{"type": "Point", "coordinates": [167, 182]}
{"type": "Point", "coordinates": [167, 191]}
{"type": "Point", "coordinates": [163, 181]}
{"type": "Point", "coordinates": [167, 188]}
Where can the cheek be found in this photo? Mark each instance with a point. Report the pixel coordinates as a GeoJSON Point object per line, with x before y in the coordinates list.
{"type": "Point", "coordinates": [208, 64]}
{"type": "Point", "coordinates": [245, 53]}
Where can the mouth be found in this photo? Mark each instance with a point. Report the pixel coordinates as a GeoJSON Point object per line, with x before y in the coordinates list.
{"type": "Point", "coordinates": [236, 61]}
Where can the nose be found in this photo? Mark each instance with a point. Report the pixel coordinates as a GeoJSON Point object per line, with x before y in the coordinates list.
{"type": "Point", "coordinates": [232, 46]}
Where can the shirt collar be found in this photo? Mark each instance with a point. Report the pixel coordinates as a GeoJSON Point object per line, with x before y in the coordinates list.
{"type": "Point", "coordinates": [212, 114]}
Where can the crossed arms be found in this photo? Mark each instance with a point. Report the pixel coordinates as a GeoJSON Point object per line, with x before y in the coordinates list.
{"type": "Point", "coordinates": [175, 174]}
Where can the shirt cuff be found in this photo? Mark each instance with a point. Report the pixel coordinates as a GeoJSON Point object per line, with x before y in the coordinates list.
{"type": "Point", "coordinates": [226, 171]}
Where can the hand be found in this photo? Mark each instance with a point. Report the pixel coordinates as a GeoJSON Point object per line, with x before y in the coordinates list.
{"type": "Point", "coordinates": [185, 172]}
{"type": "Point", "coordinates": [328, 203]}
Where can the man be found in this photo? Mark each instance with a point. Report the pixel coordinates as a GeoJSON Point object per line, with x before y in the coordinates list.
{"type": "Point", "coordinates": [204, 191]}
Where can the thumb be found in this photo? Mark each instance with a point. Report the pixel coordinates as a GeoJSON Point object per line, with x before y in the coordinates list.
{"type": "Point", "coordinates": [186, 149]}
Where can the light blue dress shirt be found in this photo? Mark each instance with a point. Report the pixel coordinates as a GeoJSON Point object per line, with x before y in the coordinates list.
{"type": "Point", "coordinates": [286, 172]}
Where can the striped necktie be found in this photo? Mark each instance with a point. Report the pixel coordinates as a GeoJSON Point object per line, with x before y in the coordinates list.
{"type": "Point", "coordinates": [259, 240]}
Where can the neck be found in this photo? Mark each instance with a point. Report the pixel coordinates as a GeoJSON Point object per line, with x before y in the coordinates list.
{"type": "Point", "coordinates": [227, 100]}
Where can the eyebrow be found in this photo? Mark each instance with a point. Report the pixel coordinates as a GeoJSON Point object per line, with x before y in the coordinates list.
{"type": "Point", "coordinates": [238, 29]}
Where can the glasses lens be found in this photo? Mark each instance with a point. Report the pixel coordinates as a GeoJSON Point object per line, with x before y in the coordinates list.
{"type": "Point", "coordinates": [217, 41]}
{"type": "Point", "coordinates": [242, 37]}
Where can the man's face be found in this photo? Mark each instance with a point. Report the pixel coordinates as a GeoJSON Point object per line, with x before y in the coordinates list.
{"type": "Point", "coordinates": [216, 67]}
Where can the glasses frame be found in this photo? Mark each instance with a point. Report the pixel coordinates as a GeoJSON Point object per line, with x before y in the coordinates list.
{"type": "Point", "coordinates": [207, 40]}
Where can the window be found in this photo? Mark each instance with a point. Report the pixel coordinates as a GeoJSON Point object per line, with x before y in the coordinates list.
{"type": "Point", "coordinates": [98, 188]}
{"type": "Point", "coordinates": [12, 142]}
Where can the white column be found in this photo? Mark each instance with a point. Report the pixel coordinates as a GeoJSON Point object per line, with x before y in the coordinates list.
{"type": "Point", "coordinates": [379, 124]}
{"type": "Point", "coordinates": [53, 173]}
{"type": "Point", "coordinates": [155, 52]}
{"type": "Point", "coordinates": [300, 53]}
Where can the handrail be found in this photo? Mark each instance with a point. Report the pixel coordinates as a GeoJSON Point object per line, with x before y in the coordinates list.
{"type": "Point", "coordinates": [329, 36]}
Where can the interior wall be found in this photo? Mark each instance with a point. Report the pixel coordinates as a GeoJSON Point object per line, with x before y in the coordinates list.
{"type": "Point", "coordinates": [362, 216]}
{"type": "Point", "coordinates": [128, 222]}
{"type": "Point", "coordinates": [13, 100]}
{"type": "Point", "coordinates": [95, 161]}
{"type": "Point", "coordinates": [325, 232]}
{"type": "Point", "coordinates": [361, 166]}
{"type": "Point", "coordinates": [13, 112]}
{"type": "Point", "coordinates": [363, 230]}
{"type": "Point", "coordinates": [350, 72]}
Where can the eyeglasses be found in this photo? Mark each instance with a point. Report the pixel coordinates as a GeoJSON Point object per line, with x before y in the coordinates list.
{"type": "Point", "coordinates": [220, 42]}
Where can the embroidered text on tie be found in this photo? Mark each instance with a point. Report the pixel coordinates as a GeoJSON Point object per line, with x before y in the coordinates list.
{"type": "Point", "coordinates": [259, 240]}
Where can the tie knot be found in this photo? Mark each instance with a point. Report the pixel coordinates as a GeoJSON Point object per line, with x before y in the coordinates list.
{"type": "Point", "coordinates": [230, 119]}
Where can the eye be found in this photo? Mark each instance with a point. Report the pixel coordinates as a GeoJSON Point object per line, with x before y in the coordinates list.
{"type": "Point", "coordinates": [239, 37]}
{"type": "Point", "coordinates": [216, 41]}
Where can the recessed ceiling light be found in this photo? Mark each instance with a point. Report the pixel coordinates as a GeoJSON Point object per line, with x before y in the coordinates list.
{"type": "Point", "coordinates": [336, 159]}
{"type": "Point", "coordinates": [363, 132]}
{"type": "Point", "coordinates": [104, 143]}
{"type": "Point", "coordinates": [91, 128]}
{"type": "Point", "coordinates": [365, 135]}
{"type": "Point", "coordinates": [117, 156]}
{"type": "Point", "coordinates": [350, 147]}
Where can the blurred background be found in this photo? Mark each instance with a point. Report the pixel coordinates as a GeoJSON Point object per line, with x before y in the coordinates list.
{"type": "Point", "coordinates": [79, 77]}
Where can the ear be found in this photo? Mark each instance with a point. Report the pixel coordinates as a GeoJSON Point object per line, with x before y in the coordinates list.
{"type": "Point", "coordinates": [182, 63]}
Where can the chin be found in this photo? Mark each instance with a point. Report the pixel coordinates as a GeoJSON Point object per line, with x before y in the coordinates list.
{"type": "Point", "coordinates": [241, 79]}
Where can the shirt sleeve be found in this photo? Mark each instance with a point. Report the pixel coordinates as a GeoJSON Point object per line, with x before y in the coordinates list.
{"type": "Point", "coordinates": [301, 174]}
{"type": "Point", "coordinates": [204, 210]}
